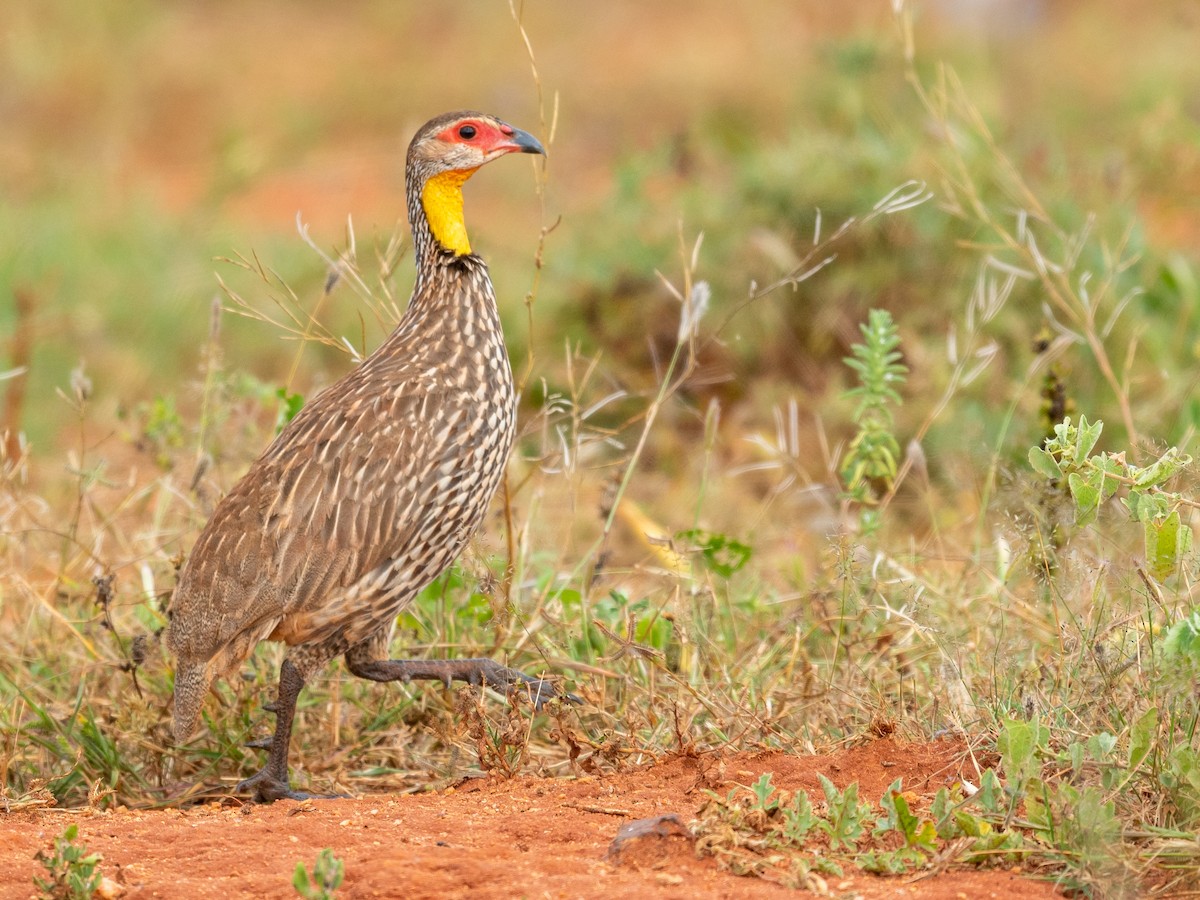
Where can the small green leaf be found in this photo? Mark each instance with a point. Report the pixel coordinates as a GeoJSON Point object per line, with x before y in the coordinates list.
{"type": "Point", "coordinates": [917, 833]}
{"type": "Point", "coordinates": [300, 880]}
{"type": "Point", "coordinates": [289, 406]}
{"type": "Point", "coordinates": [891, 807]}
{"type": "Point", "coordinates": [990, 791]}
{"type": "Point", "coordinates": [1086, 438]}
{"type": "Point", "coordinates": [941, 809]}
{"type": "Point", "coordinates": [1076, 754]}
{"type": "Point", "coordinates": [1148, 507]}
{"type": "Point", "coordinates": [762, 791]}
{"type": "Point", "coordinates": [1087, 498]}
{"type": "Point", "coordinates": [1183, 638]}
{"type": "Point", "coordinates": [1044, 464]}
{"type": "Point", "coordinates": [1142, 737]}
{"type": "Point", "coordinates": [969, 825]}
{"type": "Point", "coordinates": [830, 790]}
{"type": "Point", "coordinates": [1016, 746]}
{"type": "Point", "coordinates": [1100, 746]}
{"type": "Point", "coordinates": [1166, 541]}
{"type": "Point", "coordinates": [1106, 466]}
{"type": "Point", "coordinates": [1038, 807]}
{"type": "Point", "coordinates": [721, 553]}
{"type": "Point", "coordinates": [845, 823]}
{"type": "Point", "coordinates": [1162, 469]}
{"type": "Point", "coordinates": [1064, 434]}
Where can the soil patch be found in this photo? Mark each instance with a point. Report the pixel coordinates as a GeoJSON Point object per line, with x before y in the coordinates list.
{"type": "Point", "coordinates": [495, 838]}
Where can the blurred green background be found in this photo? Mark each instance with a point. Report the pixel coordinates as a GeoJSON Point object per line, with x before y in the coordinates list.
{"type": "Point", "coordinates": [142, 141]}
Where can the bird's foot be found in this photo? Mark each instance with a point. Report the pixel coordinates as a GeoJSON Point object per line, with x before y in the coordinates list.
{"type": "Point", "coordinates": [514, 682]}
{"type": "Point", "coordinates": [267, 787]}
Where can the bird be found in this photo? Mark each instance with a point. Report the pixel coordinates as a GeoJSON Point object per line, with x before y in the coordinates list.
{"type": "Point", "coordinates": [373, 488]}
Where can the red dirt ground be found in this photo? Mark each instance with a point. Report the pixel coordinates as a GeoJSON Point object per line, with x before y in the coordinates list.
{"type": "Point", "coordinates": [492, 838]}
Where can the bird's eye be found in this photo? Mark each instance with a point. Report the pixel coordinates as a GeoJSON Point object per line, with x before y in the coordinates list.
{"type": "Point", "coordinates": [466, 132]}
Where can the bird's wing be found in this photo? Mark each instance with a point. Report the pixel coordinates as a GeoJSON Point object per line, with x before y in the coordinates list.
{"type": "Point", "coordinates": [336, 494]}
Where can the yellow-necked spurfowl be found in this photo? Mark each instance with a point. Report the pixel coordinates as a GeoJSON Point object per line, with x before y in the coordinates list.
{"type": "Point", "coordinates": [374, 487]}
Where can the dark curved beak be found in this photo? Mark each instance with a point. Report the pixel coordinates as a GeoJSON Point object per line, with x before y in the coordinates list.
{"type": "Point", "coordinates": [524, 142]}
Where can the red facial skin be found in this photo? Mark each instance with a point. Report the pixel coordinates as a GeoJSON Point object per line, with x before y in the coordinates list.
{"type": "Point", "coordinates": [489, 137]}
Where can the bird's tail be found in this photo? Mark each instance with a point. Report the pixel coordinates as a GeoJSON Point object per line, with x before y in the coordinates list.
{"type": "Point", "coordinates": [191, 685]}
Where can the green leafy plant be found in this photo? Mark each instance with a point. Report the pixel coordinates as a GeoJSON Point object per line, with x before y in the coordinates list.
{"type": "Point", "coordinates": [847, 816]}
{"type": "Point", "coordinates": [1181, 780]}
{"type": "Point", "coordinates": [872, 459]}
{"type": "Point", "coordinates": [991, 791]}
{"type": "Point", "coordinates": [720, 553]}
{"type": "Point", "coordinates": [1018, 744]}
{"type": "Point", "coordinates": [759, 829]}
{"type": "Point", "coordinates": [890, 862]}
{"type": "Point", "coordinates": [324, 880]}
{"type": "Point", "coordinates": [920, 836]}
{"type": "Point", "coordinates": [899, 817]}
{"type": "Point", "coordinates": [1067, 458]}
{"type": "Point", "coordinates": [1182, 642]}
{"type": "Point", "coordinates": [765, 795]}
{"type": "Point", "coordinates": [71, 872]}
{"type": "Point", "coordinates": [290, 405]}
{"type": "Point", "coordinates": [952, 817]}
{"type": "Point", "coordinates": [799, 818]}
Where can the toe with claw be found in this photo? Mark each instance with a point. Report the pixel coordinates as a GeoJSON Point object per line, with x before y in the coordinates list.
{"type": "Point", "coordinates": [267, 787]}
{"type": "Point", "coordinates": [514, 682]}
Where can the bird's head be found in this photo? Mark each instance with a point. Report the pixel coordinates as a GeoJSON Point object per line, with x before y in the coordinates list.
{"type": "Point", "coordinates": [445, 153]}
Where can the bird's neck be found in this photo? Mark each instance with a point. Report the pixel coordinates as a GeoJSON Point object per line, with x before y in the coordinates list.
{"type": "Point", "coordinates": [435, 213]}
{"type": "Point", "coordinates": [442, 202]}
{"type": "Point", "coordinates": [452, 287]}
{"type": "Point", "coordinates": [452, 299]}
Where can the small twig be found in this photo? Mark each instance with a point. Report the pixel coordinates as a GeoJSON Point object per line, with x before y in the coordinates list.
{"type": "Point", "coordinates": [600, 810]}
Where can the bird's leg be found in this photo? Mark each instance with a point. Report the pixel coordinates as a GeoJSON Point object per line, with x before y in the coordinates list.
{"type": "Point", "coordinates": [272, 782]}
{"type": "Point", "coordinates": [479, 671]}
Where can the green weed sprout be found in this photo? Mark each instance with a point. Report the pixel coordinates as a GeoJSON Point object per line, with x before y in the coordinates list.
{"type": "Point", "coordinates": [872, 458]}
{"type": "Point", "coordinates": [325, 879]}
{"type": "Point", "coordinates": [72, 872]}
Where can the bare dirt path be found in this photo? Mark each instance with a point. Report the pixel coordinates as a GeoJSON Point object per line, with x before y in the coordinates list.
{"type": "Point", "coordinates": [526, 837]}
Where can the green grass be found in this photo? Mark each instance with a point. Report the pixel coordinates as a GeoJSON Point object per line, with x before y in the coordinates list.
{"type": "Point", "coordinates": [675, 539]}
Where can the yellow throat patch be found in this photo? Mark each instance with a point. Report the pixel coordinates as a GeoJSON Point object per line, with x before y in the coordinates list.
{"type": "Point", "coordinates": [442, 199]}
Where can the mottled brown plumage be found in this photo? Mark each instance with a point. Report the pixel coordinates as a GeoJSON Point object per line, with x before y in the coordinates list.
{"type": "Point", "coordinates": [375, 486]}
